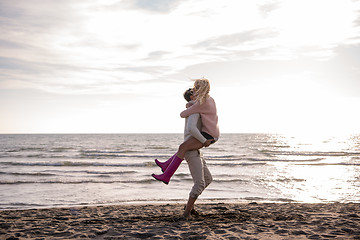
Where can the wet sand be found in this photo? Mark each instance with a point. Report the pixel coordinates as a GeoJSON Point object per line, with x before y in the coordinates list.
{"type": "Point", "coordinates": [215, 221]}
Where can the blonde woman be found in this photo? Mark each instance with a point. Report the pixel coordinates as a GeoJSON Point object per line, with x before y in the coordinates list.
{"type": "Point", "coordinates": [206, 107]}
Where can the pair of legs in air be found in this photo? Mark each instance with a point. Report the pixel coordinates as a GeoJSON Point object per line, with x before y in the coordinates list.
{"type": "Point", "coordinates": [170, 166]}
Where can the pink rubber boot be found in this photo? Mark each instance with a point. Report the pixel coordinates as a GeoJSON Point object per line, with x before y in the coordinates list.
{"type": "Point", "coordinates": [170, 170]}
{"type": "Point", "coordinates": [164, 165]}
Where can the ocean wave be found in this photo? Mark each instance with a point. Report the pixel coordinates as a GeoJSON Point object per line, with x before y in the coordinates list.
{"type": "Point", "coordinates": [233, 180]}
{"type": "Point", "coordinates": [20, 205]}
{"type": "Point", "coordinates": [263, 161]}
{"type": "Point", "coordinates": [232, 164]}
{"type": "Point", "coordinates": [227, 157]}
{"type": "Point", "coordinates": [141, 181]}
{"type": "Point", "coordinates": [103, 172]}
{"type": "Point", "coordinates": [331, 164]}
{"type": "Point", "coordinates": [319, 153]}
{"type": "Point", "coordinates": [158, 147]}
{"type": "Point", "coordinates": [35, 174]}
{"type": "Point", "coordinates": [22, 149]}
{"type": "Point", "coordinates": [288, 180]}
{"type": "Point", "coordinates": [120, 154]}
{"type": "Point", "coordinates": [234, 158]}
{"type": "Point", "coordinates": [76, 154]}
{"type": "Point", "coordinates": [47, 155]}
{"type": "Point", "coordinates": [60, 173]}
{"type": "Point", "coordinates": [260, 199]}
{"type": "Point", "coordinates": [84, 156]}
{"type": "Point", "coordinates": [76, 164]}
{"type": "Point", "coordinates": [107, 151]}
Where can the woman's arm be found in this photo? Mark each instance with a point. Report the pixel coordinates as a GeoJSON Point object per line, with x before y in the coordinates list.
{"type": "Point", "coordinates": [190, 110]}
{"type": "Point", "coordinates": [189, 104]}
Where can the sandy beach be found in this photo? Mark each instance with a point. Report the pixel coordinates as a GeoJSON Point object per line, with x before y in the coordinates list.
{"type": "Point", "coordinates": [215, 221]}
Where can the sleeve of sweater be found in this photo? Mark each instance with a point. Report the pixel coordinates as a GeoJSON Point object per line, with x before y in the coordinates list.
{"type": "Point", "coordinates": [192, 127]}
{"type": "Point", "coordinates": [193, 109]}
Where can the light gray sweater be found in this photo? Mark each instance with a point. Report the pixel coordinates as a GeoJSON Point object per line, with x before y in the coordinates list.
{"type": "Point", "coordinates": [192, 125]}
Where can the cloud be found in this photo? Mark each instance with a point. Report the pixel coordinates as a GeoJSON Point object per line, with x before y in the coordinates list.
{"type": "Point", "coordinates": [249, 44]}
{"type": "Point", "coordinates": [36, 16]}
{"type": "Point", "coordinates": [335, 77]}
{"type": "Point", "coordinates": [264, 50]}
{"type": "Point", "coordinates": [9, 44]}
{"type": "Point", "coordinates": [236, 39]}
{"type": "Point", "coordinates": [157, 55]}
{"type": "Point", "coordinates": [156, 5]}
{"type": "Point", "coordinates": [267, 7]}
{"type": "Point", "coordinates": [63, 45]}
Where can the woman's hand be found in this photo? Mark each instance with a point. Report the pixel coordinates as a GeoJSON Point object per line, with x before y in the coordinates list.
{"type": "Point", "coordinates": [189, 104]}
{"type": "Point", "coordinates": [208, 142]}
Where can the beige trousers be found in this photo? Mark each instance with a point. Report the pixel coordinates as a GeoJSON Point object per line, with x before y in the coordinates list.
{"type": "Point", "coordinates": [200, 173]}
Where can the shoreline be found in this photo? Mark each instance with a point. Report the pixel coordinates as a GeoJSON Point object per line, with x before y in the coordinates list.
{"type": "Point", "coordinates": [155, 203]}
{"type": "Point", "coordinates": [201, 201]}
{"type": "Point", "coordinates": [163, 221]}
{"type": "Point", "coordinates": [177, 202]}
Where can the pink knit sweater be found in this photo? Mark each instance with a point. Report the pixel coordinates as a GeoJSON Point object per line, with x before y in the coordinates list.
{"type": "Point", "coordinates": [208, 115]}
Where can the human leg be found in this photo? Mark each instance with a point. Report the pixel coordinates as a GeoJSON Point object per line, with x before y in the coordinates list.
{"type": "Point", "coordinates": [169, 171]}
{"type": "Point", "coordinates": [189, 206]}
{"type": "Point", "coordinates": [164, 165]}
{"type": "Point", "coordinates": [189, 145]}
{"type": "Point", "coordinates": [196, 169]}
{"type": "Point", "coordinates": [207, 175]}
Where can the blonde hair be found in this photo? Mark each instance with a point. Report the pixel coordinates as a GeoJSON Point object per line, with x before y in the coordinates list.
{"type": "Point", "coordinates": [201, 89]}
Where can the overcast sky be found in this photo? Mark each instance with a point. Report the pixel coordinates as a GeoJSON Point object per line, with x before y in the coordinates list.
{"type": "Point", "coordinates": [121, 66]}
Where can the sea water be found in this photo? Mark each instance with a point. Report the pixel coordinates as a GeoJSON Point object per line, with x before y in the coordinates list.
{"type": "Point", "coordinates": [53, 170]}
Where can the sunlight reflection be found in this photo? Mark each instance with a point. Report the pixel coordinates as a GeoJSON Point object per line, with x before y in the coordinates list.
{"type": "Point", "coordinates": [308, 184]}
{"type": "Point", "coordinates": [316, 168]}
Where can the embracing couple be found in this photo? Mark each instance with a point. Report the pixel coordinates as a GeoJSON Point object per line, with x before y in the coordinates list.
{"type": "Point", "coordinates": [201, 130]}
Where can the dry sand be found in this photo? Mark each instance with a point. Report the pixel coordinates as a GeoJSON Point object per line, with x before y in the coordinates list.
{"type": "Point", "coordinates": [216, 221]}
